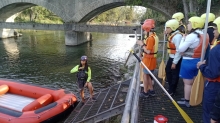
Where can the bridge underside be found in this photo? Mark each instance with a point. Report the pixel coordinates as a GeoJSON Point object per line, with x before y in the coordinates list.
{"type": "Point", "coordinates": [12, 9]}
{"type": "Point", "coordinates": [100, 10]}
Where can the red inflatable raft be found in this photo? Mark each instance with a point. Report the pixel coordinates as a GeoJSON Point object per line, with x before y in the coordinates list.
{"type": "Point", "coordinates": [24, 103]}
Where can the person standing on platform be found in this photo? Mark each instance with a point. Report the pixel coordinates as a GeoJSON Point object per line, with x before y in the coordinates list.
{"type": "Point", "coordinates": [191, 49]}
{"type": "Point", "coordinates": [83, 77]}
{"type": "Point", "coordinates": [150, 50]}
{"type": "Point", "coordinates": [173, 64]}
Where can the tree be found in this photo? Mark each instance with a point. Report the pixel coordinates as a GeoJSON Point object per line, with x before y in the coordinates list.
{"type": "Point", "coordinates": [38, 14]}
{"type": "Point", "coordinates": [118, 15]}
{"type": "Point", "coordinates": [190, 7]}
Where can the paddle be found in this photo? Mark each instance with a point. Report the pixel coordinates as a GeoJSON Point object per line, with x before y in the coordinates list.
{"type": "Point", "coordinates": [161, 70]}
{"type": "Point", "coordinates": [198, 84]}
{"type": "Point", "coordinates": [184, 115]}
{"type": "Point", "coordinates": [141, 69]}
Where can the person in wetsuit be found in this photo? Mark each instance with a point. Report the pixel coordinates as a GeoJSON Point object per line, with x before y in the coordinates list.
{"type": "Point", "coordinates": [83, 77]}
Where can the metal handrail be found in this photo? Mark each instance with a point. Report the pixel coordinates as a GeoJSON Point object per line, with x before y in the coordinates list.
{"type": "Point", "coordinates": [135, 105]}
{"type": "Point", "coordinates": [131, 92]}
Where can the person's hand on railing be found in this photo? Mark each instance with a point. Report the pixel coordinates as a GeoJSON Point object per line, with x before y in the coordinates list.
{"type": "Point", "coordinates": [139, 42]}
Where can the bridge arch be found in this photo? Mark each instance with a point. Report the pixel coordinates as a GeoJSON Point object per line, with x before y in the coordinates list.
{"type": "Point", "coordinates": [11, 7]}
{"type": "Point", "coordinates": [97, 7]}
{"type": "Point", "coordinates": [79, 10]}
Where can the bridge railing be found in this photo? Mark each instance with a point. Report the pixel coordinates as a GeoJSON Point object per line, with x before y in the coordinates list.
{"type": "Point", "coordinates": [29, 25]}
{"type": "Point", "coordinates": [78, 27]}
{"type": "Point", "coordinates": [133, 91]}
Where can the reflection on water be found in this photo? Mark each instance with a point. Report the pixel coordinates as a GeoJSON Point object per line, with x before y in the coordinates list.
{"type": "Point", "coordinates": [11, 49]}
{"type": "Point", "coordinates": [41, 57]}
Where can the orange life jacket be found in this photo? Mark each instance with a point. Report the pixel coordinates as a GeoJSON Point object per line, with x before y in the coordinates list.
{"type": "Point", "coordinates": [196, 52]}
{"type": "Point", "coordinates": [171, 48]}
{"type": "Point", "coordinates": [153, 53]}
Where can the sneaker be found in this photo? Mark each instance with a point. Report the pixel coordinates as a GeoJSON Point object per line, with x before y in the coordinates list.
{"type": "Point", "coordinates": [152, 93]}
{"type": "Point", "coordinates": [182, 99]}
{"type": "Point", "coordinates": [143, 94]}
{"type": "Point", "coordinates": [186, 103]}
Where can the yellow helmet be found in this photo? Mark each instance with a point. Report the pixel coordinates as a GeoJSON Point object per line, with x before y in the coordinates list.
{"type": "Point", "coordinates": [211, 17]}
{"type": "Point", "coordinates": [173, 24]}
{"type": "Point", "coordinates": [217, 22]}
{"type": "Point", "coordinates": [197, 22]}
{"type": "Point", "coordinates": [178, 16]}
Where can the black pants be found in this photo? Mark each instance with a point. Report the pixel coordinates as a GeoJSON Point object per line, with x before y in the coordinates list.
{"type": "Point", "coordinates": [172, 75]}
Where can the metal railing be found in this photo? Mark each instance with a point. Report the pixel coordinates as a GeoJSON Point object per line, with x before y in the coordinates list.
{"type": "Point", "coordinates": [130, 100]}
{"type": "Point", "coordinates": [130, 114]}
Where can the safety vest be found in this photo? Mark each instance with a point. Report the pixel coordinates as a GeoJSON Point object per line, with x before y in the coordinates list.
{"type": "Point", "coordinates": [196, 52]}
{"type": "Point", "coordinates": [153, 54]}
{"type": "Point", "coordinates": [171, 48]}
{"type": "Point", "coordinates": [82, 75]}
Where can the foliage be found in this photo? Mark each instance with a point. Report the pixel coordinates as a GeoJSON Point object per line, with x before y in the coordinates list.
{"type": "Point", "coordinates": [191, 14]}
{"type": "Point", "coordinates": [128, 14]}
{"type": "Point", "coordinates": [38, 14]}
{"type": "Point", "coordinates": [199, 5]}
{"type": "Point", "coordinates": [133, 2]}
{"type": "Point", "coordinates": [152, 14]}
{"type": "Point", "coordinates": [125, 14]}
{"type": "Point", "coordinates": [202, 4]}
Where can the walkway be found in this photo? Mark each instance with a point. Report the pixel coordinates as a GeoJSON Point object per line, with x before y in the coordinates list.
{"type": "Point", "coordinates": [110, 102]}
{"type": "Point", "coordinates": [161, 104]}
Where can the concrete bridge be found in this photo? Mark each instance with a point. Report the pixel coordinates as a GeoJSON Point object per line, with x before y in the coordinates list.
{"type": "Point", "coordinates": [77, 11]}
{"type": "Point", "coordinates": [78, 27]}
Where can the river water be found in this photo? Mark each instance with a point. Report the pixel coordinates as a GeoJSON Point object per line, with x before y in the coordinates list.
{"type": "Point", "coordinates": [41, 57]}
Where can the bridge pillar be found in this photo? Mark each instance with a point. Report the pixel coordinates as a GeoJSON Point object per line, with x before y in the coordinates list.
{"type": "Point", "coordinates": [73, 38]}
{"type": "Point", "coordinates": [7, 33]}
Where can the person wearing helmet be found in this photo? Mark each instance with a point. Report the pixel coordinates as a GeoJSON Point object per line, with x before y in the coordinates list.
{"type": "Point", "coordinates": [216, 27]}
{"type": "Point", "coordinates": [179, 16]}
{"type": "Point", "coordinates": [83, 77]}
{"type": "Point", "coordinates": [173, 64]}
{"type": "Point", "coordinates": [211, 72]}
{"type": "Point", "coordinates": [210, 26]}
{"type": "Point", "coordinates": [210, 30]}
{"type": "Point", "coordinates": [191, 49]}
{"type": "Point", "coordinates": [150, 49]}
